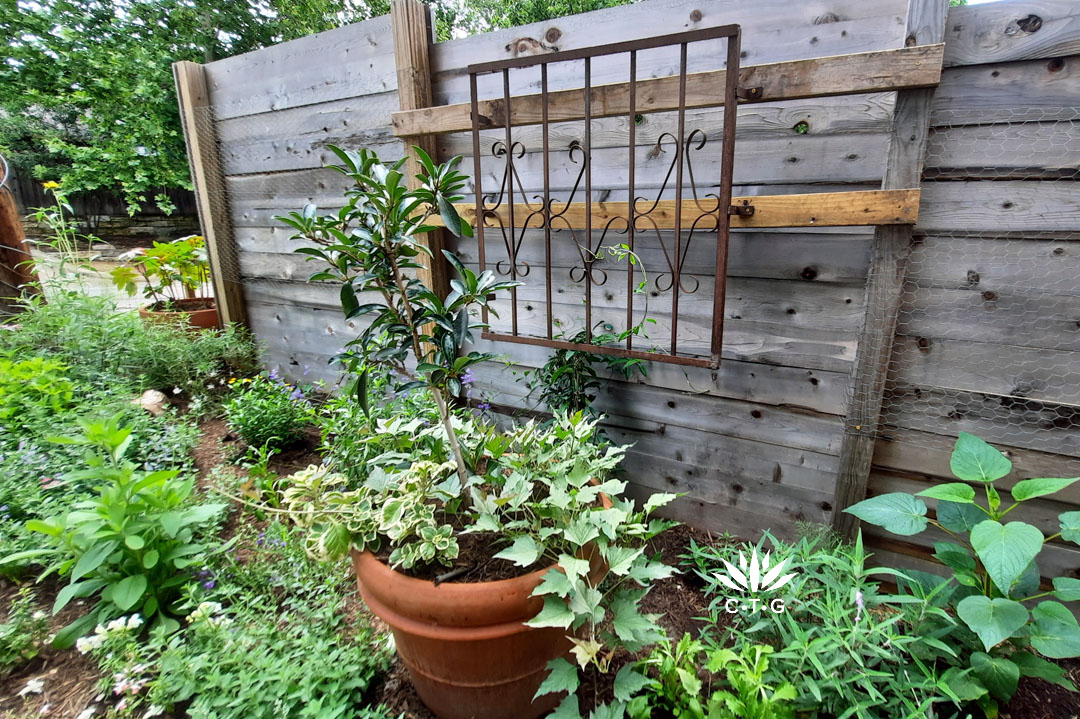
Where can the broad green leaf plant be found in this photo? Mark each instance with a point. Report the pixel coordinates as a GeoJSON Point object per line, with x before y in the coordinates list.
{"type": "Point", "coordinates": [372, 248]}
{"type": "Point", "coordinates": [994, 562]}
{"type": "Point", "coordinates": [128, 546]}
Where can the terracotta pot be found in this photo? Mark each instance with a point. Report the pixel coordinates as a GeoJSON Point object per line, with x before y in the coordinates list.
{"type": "Point", "coordinates": [467, 649]}
{"type": "Point", "coordinates": [192, 311]}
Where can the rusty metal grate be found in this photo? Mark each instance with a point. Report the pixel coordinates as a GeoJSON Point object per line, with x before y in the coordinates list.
{"type": "Point", "coordinates": [510, 212]}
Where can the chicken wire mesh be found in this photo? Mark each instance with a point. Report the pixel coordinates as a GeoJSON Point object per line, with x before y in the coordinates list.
{"type": "Point", "coordinates": [988, 327]}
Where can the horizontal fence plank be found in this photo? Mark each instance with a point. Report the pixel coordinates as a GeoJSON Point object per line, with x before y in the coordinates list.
{"type": "Point", "coordinates": [1023, 206]}
{"type": "Point", "coordinates": [1013, 92]}
{"type": "Point", "coordinates": [1013, 317]}
{"type": "Point", "coordinates": [1024, 373]}
{"type": "Point", "coordinates": [851, 115]}
{"type": "Point", "coordinates": [818, 390]}
{"type": "Point", "coordinates": [655, 409]}
{"type": "Point", "coordinates": [996, 263]}
{"type": "Point", "coordinates": [928, 454]}
{"type": "Point", "coordinates": [858, 73]}
{"type": "Point", "coordinates": [1034, 425]}
{"type": "Point", "coordinates": [1049, 150]}
{"type": "Point", "coordinates": [776, 30]}
{"type": "Point", "coordinates": [825, 209]}
{"type": "Point", "coordinates": [1015, 30]}
{"type": "Point", "coordinates": [810, 257]}
{"type": "Point", "coordinates": [350, 61]}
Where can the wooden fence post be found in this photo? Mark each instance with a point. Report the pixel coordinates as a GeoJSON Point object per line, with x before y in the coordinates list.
{"type": "Point", "coordinates": [15, 272]}
{"type": "Point", "coordinates": [194, 100]}
{"type": "Point", "coordinates": [412, 29]}
{"type": "Point", "coordinates": [885, 283]}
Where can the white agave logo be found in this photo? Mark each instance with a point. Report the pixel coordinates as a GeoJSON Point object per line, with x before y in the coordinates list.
{"type": "Point", "coordinates": [754, 576]}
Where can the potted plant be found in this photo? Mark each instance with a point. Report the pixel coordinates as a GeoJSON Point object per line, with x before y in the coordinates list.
{"type": "Point", "coordinates": [175, 277]}
{"type": "Point", "coordinates": [454, 502]}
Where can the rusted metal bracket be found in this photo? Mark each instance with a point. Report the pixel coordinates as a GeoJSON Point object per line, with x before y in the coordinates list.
{"type": "Point", "coordinates": [750, 93]}
{"type": "Point", "coordinates": [743, 210]}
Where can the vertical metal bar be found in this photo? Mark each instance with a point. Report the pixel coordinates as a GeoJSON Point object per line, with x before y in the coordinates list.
{"type": "Point", "coordinates": [479, 193]}
{"type": "Point", "coordinates": [723, 220]}
{"type": "Point", "coordinates": [510, 200]}
{"type": "Point", "coordinates": [588, 199]}
{"type": "Point", "coordinates": [630, 210]}
{"type": "Point", "coordinates": [547, 192]}
{"type": "Point", "coordinates": [675, 274]}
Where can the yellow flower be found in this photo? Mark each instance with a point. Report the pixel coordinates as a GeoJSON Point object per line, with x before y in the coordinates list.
{"type": "Point", "coordinates": [51, 185]}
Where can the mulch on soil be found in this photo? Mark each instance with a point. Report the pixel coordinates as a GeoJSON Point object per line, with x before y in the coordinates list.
{"type": "Point", "coordinates": [69, 677]}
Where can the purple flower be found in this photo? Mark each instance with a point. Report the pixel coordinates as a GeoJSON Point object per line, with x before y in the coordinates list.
{"type": "Point", "coordinates": [208, 584]}
{"type": "Point", "coordinates": [483, 406]}
{"type": "Point", "coordinates": [467, 377]}
{"type": "Point", "coordinates": [274, 373]}
{"type": "Point", "coordinates": [296, 394]}
{"type": "Point", "coordinates": [859, 606]}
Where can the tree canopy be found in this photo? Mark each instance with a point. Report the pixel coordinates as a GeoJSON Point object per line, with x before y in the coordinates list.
{"type": "Point", "coordinates": [86, 88]}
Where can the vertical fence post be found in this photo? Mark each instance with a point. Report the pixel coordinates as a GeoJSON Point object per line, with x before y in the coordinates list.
{"type": "Point", "coordinates": [194, 100]}
{"type": "Point", "coordinates": [412, 28]}
{"type": "Point", "coordinates": [15, 272]}
{"type": "Point", "coordinates": [885, 283]}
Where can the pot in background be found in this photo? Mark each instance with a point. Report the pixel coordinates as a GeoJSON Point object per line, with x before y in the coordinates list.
{"type": "Point", "coordinates": [199, 313]}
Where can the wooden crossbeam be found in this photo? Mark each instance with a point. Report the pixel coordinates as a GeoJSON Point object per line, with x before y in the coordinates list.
{"type": "Point", "coordinates": [824, 209]}
{"type": "Point", "coordinates": [906, 68]}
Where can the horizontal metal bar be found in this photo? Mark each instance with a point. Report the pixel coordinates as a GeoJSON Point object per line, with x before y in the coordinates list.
{"type": "Point", "coordinates": [647, 43]}
{"type": "Point", "coordinates": [819, 209]}
{"type": "Point", "coordinates": [605, 350]}
{"type": "Point", "coordinates": [879, 71]}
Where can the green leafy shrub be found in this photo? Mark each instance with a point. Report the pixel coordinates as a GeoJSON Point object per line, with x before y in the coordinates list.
{"type": "Point", "coordinates": [170, 270]}
{"type": "Point", "coordinates": [827, 618]}
{"type": "Point", "coordinates": [32, 388]}
{"type": "Point", "coordinates": [23, 634]}
{"type": "Point", "coordinates": [667, 681]}
{"type": "Point", "coordinates": [128, 545]}
{"type": "Point", "coordinates": [242, 664]}
{"type": "Point", "coordinates": [41, 478]}
{"type": "Point", "coordinates": [113, 350]}
{"type": "Point", "coordinates": [267, 412]}
{"type": "Point", "coordinates": [995, 565]}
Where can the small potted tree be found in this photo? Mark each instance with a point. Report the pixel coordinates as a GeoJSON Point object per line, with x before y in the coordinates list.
{"type": "Point", "coordinates": [175, 276]}
{"type": "Point", "coordinates": [503, 561]}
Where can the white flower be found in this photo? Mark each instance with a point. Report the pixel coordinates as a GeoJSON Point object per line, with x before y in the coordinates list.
{"type": "Point", "coordinates": [85, 645]}
{"type": "Point", "coordinates": [153, 711]}
{"type": "Point", "coordinates": [34, 686]}
{"type": "Point", "coordinates": [39, 615]}
{"type": "Point", "coordinates": [176, 390]}
{"type": "Point", "coordinates": [45, 709]}
{"type": "Point", "coordinates": [88, 712]}
{"type": "Point", "coordinates": [134, 622]}
{"type": "Point", "coordinates": [116, 625]}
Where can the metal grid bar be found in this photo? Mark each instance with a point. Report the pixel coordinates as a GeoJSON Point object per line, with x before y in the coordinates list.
{"type": "Point", "coordinates": [641, 215]}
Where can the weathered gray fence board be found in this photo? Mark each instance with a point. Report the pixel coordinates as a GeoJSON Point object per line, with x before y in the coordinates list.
{"type": "Point", "coordinates": [1031, 90]}
{"type": "Point", "coordinates": [1048, 375]}
{"type": "Point", "coordinates": [928, 454]}
{"type": "Point", "coordinates": [817, 390]}
{"type": "Point", "coordinates": [1009, 317]}
{"type": "Point", "coordinates": [755, 443]}
{"type": "Point", "coordinates": [1012, 31]}
{"type": "Point", "coordinates": [999, 206]}
{"type": "Point", "coordinates": [1025, 151]}
{"type": "Point", "coordinates": [997, 264]}
{"type": "Point", "coordinates": [352, 61]}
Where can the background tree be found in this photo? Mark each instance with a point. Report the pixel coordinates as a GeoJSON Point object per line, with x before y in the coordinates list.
{"type": "Point", "coordinates": [86, 88]}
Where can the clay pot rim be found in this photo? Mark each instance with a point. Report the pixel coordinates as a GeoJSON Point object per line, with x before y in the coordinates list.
{"type": "Point", "coordinates": [148, 309]}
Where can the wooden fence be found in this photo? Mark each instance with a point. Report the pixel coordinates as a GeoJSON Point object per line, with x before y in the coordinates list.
{"type": "Point", "coordinates": [826, 328]}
